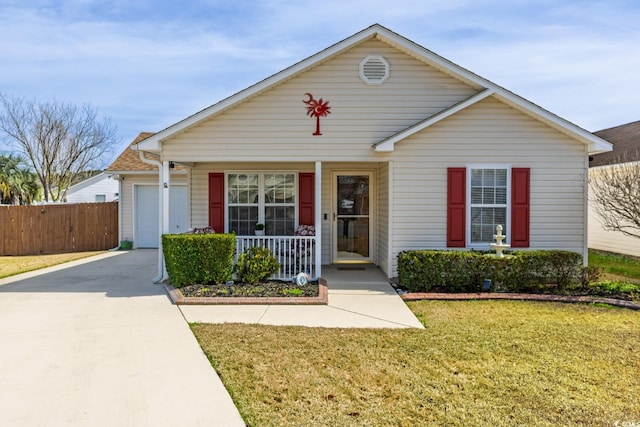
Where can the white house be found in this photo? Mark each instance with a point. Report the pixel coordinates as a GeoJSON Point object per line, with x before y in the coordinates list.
{"type": "Point", "coordinates": [99, 188]}
{"type": "Point", "coordinates": [626, 148]}
{"type": "Point", "coordinates": [383, 146]}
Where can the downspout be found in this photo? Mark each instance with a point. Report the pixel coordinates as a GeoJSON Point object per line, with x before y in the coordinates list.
{"type": "Point", "coordinates": [585, 213]}
{"type": "Point", "coordinates": [161, 269]}
{"type": "Point", "coordinates": [119, 213]}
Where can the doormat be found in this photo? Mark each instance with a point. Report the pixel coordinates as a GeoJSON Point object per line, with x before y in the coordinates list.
{"type": "Point", "coordinates": [351, 268]}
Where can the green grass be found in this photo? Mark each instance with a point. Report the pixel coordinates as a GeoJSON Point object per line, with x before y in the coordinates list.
{"type": "Point", "coordinates": [616, 267]}
{"type": "Point", "coordinates": [498, 363]}
{"type": "Point", "coordinates": [12, 265]}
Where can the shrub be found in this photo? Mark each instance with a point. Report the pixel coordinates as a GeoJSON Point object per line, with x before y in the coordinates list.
{"type": "Point", "coordinates": [452, 271]}
{"type": "Point", "coordinates": [198, 258]}
{"type": "Point", "coordinates": [464, 271]}
{"type": "Point", "coordinates": [256, 265]}
{"type": "Point", "coordinates": [614, 288]}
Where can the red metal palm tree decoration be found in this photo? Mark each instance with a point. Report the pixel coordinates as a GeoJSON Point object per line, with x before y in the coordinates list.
{"type": "Point", "coordinates": [316, 108]}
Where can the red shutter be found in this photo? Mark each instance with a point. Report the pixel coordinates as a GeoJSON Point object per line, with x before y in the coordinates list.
{"type": "Point", "coordinates": [456, 207]}
{"type": "Point", "coordinates": [216, 201]}
{"type": "Point", "coordinates": [306, 199]}
{"type": "Point", "coordinates": [520, 207]}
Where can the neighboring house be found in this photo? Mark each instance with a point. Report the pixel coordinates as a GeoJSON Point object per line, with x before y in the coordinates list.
{"type": "Point", "coordinates": [99, 188]}
{"type": "Point", "coordinates": [626, 148]}
{"type": "Point", "coordinates": [383, 146]}
{"type": "Point", "coordinates": [137, 183]}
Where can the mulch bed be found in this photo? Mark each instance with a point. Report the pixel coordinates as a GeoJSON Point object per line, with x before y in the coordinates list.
{"type": "Point", "coordinates": [272, 288]}
{"type": "Point", "coordinates": [272, 292]}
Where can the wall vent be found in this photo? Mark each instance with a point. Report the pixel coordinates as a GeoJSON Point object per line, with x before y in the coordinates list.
{"type": "Point", "coordinates": [374, 70]}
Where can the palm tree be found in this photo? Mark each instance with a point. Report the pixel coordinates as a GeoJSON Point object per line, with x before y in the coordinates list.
{"type": "Point", "coordinates": [317, 108]}
{"type": "Point", "coordinates": [18, 184]}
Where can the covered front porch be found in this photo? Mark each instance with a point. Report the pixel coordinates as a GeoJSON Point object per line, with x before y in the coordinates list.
{"type": "Point", "coordinates": [342, 207]}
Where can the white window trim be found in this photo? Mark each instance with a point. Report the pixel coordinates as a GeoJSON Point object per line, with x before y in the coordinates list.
{"type": "Point", "coordinates": [470, 167]}
{"type": "Point", "coordinates": [261, 201]}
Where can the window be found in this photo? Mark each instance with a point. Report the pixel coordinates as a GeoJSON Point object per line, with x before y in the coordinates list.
{"type": "Point", "coordinates": [101, 198]}
{"type": "Point", "coordinates": [479, 197]}
{"type": "Point", "coordinates": [488, 196]}
{"type": "Point", "coordinates": [268, 198]}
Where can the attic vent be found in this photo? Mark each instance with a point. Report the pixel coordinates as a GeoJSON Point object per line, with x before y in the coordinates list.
{"type": "Point", "coordinates": [374, 70]}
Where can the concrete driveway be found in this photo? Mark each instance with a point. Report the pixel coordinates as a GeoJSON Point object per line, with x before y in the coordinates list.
{"type": "Point", "coordinates": [95, 343]}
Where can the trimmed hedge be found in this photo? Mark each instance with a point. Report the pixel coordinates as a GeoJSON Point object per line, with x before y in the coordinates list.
{"type": "Point", "coordinates": [465, 271]}
{"type": "Point", "coordinates": [198, 258]}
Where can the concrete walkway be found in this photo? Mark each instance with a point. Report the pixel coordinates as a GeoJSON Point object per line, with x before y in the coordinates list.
{"type": "Point", "coordinates": [95, 343]}
{"type": "Point", "coordinates": [359, 297]}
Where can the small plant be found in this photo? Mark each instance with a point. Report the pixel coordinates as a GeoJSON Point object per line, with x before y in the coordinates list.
{"type": "Point", "coordinates": [256, 265]}
{"type": "Point", "coordinates": [292, 292]}
{"type": "Point", "coordinates": [259, 226]}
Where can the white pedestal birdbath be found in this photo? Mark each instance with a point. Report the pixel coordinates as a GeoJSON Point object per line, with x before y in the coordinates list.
{"type": "Point", "coordinates": [499, 246]}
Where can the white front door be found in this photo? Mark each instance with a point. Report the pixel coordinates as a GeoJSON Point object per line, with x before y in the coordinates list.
{"type": "Point", "coordinates": [352, 216]}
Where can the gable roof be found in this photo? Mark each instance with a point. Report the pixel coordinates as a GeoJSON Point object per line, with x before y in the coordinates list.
{"type": "Point", "coordinates": [626, 144]}
{"type": "Point", "coordinates": [484, 87]}
{"type": "Point", "coordinates": [129, 160]}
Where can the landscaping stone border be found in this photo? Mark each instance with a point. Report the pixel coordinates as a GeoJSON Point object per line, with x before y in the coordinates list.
{"type": "Point", "coordinates": [178, 298]}
{"type": "Point", "coordinates": [416, 296]}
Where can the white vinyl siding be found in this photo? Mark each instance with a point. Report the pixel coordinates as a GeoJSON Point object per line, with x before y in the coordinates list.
{"type": "Point", "coordinates": [274, 126]}
{"type": "Point", "coordinates": [89, 190]}
{"type": "Point", "coordinates": [382, 232]}
{"type": "Point", "coordinates": [488, 133]}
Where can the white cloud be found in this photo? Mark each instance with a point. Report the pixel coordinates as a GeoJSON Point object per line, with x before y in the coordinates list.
{"type": "Point", "coordinates": [149, 64]}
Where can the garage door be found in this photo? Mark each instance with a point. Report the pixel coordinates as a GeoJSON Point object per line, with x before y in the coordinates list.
{"type": "Point", "coordinates": [146, 207]}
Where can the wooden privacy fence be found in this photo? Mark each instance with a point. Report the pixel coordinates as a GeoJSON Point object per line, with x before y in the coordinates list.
{"type": "Point", "coordinates": [52, 229]}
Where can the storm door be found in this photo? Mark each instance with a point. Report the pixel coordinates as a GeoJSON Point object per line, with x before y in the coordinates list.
{"type": "Point", "coordinates": [352, 221]}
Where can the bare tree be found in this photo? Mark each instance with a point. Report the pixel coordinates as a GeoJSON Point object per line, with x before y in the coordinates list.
{"type": "Point", "coordinates": [59, 139]}
{"type": "Point", "coordinates": [615, 193]}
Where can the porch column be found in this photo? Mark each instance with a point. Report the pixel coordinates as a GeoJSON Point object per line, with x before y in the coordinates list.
{"type": "Point", "coordinates": [166, 187]}
{"type": "Point", "coordinates": [164, 211]}
{"type": "Point", "coordinates": [318, 218]}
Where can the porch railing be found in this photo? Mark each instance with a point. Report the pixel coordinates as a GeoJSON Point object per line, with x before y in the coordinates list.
{"type": "Point", "coordinates": [295, 254]}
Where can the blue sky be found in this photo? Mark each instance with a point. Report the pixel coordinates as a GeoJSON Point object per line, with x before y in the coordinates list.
{"type": "Point", "coordinates": [148, 64]}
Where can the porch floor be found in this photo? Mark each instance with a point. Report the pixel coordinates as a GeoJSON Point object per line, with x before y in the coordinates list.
{"type": "Point", "coordinates": [359, 297]}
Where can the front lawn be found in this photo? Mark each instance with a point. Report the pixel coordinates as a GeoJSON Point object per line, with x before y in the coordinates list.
{"type": "Point", "coordinates": [616, 267]}
{"type": "Point", "coordinates": [498, 363]}
{"type": "Point", "coordinates": [12, 265]}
